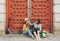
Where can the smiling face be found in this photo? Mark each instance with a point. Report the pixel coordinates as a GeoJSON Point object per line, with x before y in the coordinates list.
{"type": "Point", "coordinates": [28, 21]}
{"type": "Point", "coordinates": [36, 21]}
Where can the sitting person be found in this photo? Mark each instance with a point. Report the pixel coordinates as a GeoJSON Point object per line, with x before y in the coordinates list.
{"type": "Point", "coordinates": [37, 28]}
{"type": "Point", "coordinates": [26, 30]}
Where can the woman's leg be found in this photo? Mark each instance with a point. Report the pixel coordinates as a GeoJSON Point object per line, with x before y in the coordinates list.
{"type": "Point", "coordinates": [25, 32]}
{"type": "Point", "coordinates": [35, 34]}
{"type": "Point", "coordinates": [38, 33]}
{"type": "Point", "coordinates": [30, 33]}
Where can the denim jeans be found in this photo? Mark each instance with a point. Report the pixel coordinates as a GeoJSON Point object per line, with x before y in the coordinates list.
{"type": "Point", "coordinates": [28, 32]}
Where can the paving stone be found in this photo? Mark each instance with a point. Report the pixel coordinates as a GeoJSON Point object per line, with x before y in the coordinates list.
{"type": "Point", "coordinates": [24, 38]}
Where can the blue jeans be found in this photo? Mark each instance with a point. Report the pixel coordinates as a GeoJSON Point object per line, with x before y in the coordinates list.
{"type": "Point", "coordinates": [28, 32]}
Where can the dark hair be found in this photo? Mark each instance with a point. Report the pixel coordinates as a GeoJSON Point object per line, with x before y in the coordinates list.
{"type": "Point", "coordinates": [38, 21]}
{"type": "Point", "coordinates": [24, 22]}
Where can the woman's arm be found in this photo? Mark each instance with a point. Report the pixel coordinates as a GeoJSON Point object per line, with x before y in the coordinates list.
{"type": "Point", "coordinates": [40, 27]}
{"type": "Point", "coordinates": [24, 26]}
{"type": "Point", "coordinates": [31, 23]}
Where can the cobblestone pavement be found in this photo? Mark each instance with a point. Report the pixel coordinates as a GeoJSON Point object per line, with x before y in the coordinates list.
{"type": "Point", "coordinates": [24, 38]}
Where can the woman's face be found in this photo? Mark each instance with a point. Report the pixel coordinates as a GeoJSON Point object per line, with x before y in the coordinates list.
{"type": "Point", "coordinates": [27, 22]}
{"type": "Point", "coordinates": [36, 21]}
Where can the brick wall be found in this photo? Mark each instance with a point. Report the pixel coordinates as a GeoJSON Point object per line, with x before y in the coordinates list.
{"type": "Point", "coordinates": [56, 14]}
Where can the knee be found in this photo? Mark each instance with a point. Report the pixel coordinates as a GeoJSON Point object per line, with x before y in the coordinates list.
{"type": "Point", "coordinates": [23, 32]}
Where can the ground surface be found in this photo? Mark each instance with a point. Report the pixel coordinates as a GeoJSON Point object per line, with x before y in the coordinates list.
{"type": "Point", "coordinates": [24, 38]}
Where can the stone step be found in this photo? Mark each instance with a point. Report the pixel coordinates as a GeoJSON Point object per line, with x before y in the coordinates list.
{"type": "Point", "coordinates": [57, 32]}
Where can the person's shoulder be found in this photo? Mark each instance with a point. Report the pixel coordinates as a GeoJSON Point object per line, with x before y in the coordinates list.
{"type": "Point", "coordinates": [39, 24]}
{"type": "Point", "coordinates": [24, 25]}
{"type": "Point", "coordinates": [34, 23]}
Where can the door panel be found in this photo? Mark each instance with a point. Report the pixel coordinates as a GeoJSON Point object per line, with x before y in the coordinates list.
{"type": "Point", "coordinates": [16, 13]}
{"type": "Point", "coordinates": [42, 9]}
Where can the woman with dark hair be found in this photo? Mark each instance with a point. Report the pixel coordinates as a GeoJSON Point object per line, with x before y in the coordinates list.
{"type": "Point", "coordinates": [37, 28]}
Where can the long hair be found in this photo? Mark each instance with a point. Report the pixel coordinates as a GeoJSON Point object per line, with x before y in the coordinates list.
{"type": "Point", "coordinates": [26, 24]}
{"type": "Point", "coordinates": [38, 21]}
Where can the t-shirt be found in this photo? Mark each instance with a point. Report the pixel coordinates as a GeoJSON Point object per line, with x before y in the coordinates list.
{"type": "Point", "coordinates": [25, 27]}
{"type": "Point", "coordinates": [38, 26]}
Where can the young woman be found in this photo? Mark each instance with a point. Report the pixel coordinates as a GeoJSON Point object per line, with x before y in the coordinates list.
{"type": "Point", "coordinates": [26, 30]}
{"type": "Point", "coordinates": [37, 28]}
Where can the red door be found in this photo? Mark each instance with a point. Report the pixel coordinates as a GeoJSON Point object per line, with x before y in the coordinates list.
{"type": "Point", "coordinates": [17, 11]}
{"type": "Point", "coordinates": [42, 9]}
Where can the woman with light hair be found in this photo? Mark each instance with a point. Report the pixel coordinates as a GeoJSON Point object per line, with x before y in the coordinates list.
{"type": "Point", "coordinates": [26, 26]}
